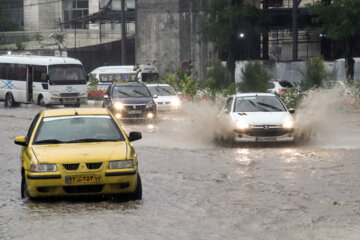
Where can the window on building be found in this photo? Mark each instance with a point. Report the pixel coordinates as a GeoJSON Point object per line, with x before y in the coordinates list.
{"type": "Point", "coordinates": [76, 9]}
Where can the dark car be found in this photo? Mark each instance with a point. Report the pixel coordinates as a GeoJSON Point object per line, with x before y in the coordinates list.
{"type": "Point", "coordinates": [130, 101]}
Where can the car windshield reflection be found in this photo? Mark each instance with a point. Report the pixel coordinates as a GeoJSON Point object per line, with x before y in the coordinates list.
{"type": "Point", "coordinates": [258, 104]}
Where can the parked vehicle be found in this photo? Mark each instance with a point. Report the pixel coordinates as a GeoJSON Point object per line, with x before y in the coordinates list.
{"type": "Point", "coordinates": [166, 98]}
{"type": "Point", "coordinates": [130, 101]}
{"type": "Point", "coordinates": [279, 86]}
{"type": "Point", "coordinates": [110, 74]}
{"type": "Point", "coordinates": [256, 117]}
{"type": "Point", "coordinates": [42, 80]}
{"type": "Point", "coordinates": [82, 151]}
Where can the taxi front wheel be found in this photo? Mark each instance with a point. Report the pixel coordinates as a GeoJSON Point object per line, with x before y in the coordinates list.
{"type": "Point", "coordinates": [24, 190]}
{"type": "Point", "coordinates": [137, 195]}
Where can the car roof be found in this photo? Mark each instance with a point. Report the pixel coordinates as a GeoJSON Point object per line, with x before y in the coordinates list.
{"type": "Point", "coordinates": [157, 84]}
{"type": "Point", "coordinates": [74, 111]}
{"type": "Point", "coordinates": [253, 94]}
{"type": "Point", "coordinates": [129, 84]}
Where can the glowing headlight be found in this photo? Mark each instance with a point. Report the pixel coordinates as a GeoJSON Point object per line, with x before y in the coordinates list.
{"type": "Point", "coordinates": [118, 115]}
{"type": "Point", "coordinates": [118, 106]}
{"type": "Point", "coordinates": [43, 168]}
{"type": "Point", "coordinates": [288, 124]}
{"type": "Point", "coordinates": [121, 164]}
{"type": "Point", "coordinates": [150, 115]}
{"type": "Point", "coordinates": [176, 103]}
{"type": "Point", "coordinates": [150, 104]}
{"type": "Point", "coordinates": [242, 124]}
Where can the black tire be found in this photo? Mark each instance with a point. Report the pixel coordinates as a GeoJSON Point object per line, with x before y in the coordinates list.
{"type": "Point", "coordinates": [9, 101]}
{"type": "Point", "coordinates": [137, 195]}
{"type": "Point", "coordinates": [24, 190]}
{"type": "Point", "coordinates": [41, 101]}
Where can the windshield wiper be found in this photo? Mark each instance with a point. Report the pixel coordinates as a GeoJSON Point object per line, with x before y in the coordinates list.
{"type": "Point", "coordinates": [124, 93]}
{"type": "Point", "coordinates": [270, 106]}
{"type": "Point", "coordinates": [167, 91]}
{"type": "Point", "coordinates": [49, 141]}
{"type": "Point", "coordinates": [258, 107]}
{"type": "Point", "coordinates": [138, 92]}
{"type": "Point", "coordinates": [92, 140]}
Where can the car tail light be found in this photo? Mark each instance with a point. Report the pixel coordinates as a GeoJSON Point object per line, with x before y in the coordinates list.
{"type": "Point", "coordinates": [282, 90]}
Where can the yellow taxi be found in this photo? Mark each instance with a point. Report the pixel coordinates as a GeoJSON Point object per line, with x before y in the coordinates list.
{"type": "Point", "coordinates": [78, 151]}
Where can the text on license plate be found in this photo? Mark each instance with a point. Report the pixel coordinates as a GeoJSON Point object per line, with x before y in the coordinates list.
{"type": "Point", "coordinates": [69, 99]}
{"type": "Point", "coordinates": [266, 139]}
{"type": "Point", "coordinates": [134, 111]}
{"type": "Point", "coordinates": [82, 179]}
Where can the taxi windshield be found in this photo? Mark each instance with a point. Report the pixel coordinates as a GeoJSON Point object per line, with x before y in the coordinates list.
{"type": "Point", "coordinates": [80, 128]}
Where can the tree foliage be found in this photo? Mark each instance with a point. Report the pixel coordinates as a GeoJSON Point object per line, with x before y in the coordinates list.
{"type": "Point", "coordinates": [314, 73]}
{"type": "Point", "coordinates": [255, 78]}
{"type": "Point", "coordinates": [224, 23]}
{"type": "Point", "coordinates": [339, 20]}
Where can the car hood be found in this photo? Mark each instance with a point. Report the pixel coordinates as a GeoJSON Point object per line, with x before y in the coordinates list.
{"type": "Point", "coordinates": [80, 152]}
{"type": "Point", "coordinates": [144, 100]}
{"type": "Point", "coordinates": [263, 118]}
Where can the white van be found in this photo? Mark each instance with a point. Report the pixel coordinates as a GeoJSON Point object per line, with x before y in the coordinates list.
{"type": "Point", "coordinates": [109, 74]}
{"type": "Point", "coordinates": [43, 80]}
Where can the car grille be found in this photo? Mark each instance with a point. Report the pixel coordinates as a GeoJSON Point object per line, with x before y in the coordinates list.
{"type": "Point", "coordinates": [134, 107]}
{"type": "Point", "coordinates": [69, 94]}
{"type": "Point", "coordinates": [266, 132]}
{"type": "Point", "coordinates": [83, 189]}
{"type": "Point", "coordinates": [93, 165]}
{"type": "Point", "coordinates": [71, 167]}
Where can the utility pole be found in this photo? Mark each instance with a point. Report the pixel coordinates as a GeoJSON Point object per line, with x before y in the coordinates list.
{"type": "Point", "coordinates": [295, 31]}
{"type": "Point", "coordinates": [123, 33]}
{"type": "Point", "coordinates": [265, 43]}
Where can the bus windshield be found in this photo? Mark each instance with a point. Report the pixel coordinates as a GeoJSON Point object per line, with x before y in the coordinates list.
{"type": "Point", "coordinates": [66, 72]}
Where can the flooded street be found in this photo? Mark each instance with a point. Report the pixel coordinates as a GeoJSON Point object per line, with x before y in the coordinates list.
{"type": "Point", "coordinates": [194, 188]}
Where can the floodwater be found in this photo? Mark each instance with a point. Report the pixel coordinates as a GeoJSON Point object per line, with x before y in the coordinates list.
{"type": "Point", "coordinates": [194, 188]}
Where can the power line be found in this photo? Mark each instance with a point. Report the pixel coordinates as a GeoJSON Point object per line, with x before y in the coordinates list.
{"type": "Point", "coordinates": [31, 5]}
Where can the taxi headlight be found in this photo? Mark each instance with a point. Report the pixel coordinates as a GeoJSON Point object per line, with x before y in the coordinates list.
{"type": "Point", "coordinates": [121, 164]}
{"type": "Point", "coordinates": [288, 123]}
{"type": "Point", "coordinates": [175, 102]}
{"type": "Point", "coordinates": [43, 168]}
{"type": "Point", "coordinates": [242, 124]}
{"type": "Point", "coordinates": [118, 106]}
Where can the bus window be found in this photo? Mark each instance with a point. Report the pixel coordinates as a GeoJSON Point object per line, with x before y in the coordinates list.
{"type": "Point", "coordinates": [66, 72]}
{"type": "Point", "coordinates": [40, 74]}
{"type": "Point", "coordinates": [149, 77]}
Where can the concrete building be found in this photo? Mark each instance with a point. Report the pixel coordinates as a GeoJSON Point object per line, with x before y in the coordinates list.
{"type": "Point", "coordinates": [167, 34]}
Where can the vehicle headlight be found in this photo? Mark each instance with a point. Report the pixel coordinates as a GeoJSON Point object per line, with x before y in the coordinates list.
{"type": "Point", "coordinates": [150, 104]}
{"type": "Point", "coordinates": [175, 102]}
{"type": "Point", "coordinates": [118, 106]}
{"type": "Point", "coordinates": [43, 168]}
{"type": "Point", "coordinates": [242, 124]}
{"type": "Point", "coordinates": [288, 123]}
{"type": "Point", "coordinates": [121, 164]}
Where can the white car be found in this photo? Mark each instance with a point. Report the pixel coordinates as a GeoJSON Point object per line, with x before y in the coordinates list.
{"type": "Point", "coordinates": [165, 97]}
{"type": "Point", "coordinates": [278, 86]}
{"type": "Point", "coordinates": [256, 117]}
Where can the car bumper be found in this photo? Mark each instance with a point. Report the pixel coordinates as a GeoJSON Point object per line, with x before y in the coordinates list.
{"type": "Point", "coordinates": [114, 182]}
{"type": "Point", "coordinates": [280, 135]}
{"type": "Point", "coordinates": [143, 114]}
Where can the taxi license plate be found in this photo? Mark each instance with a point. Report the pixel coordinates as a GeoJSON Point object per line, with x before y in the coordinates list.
{"type": "Point", "coordinates": [82, 179]}
{"type": "Point", "coordinates": [135, 112]}
{"type": "Point", "coordinates": [266, 139]}
{"type": "Point", "coordinates": [69, 99]}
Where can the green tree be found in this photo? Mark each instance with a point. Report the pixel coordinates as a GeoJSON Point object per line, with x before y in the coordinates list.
{"type": "Point", "coordinates": [226, 20]}
{"type": "Point", "coordinates": [255, 78]}
{"type": "Point", "coordinates": [339, 20]}
{"type": "Point", "coordinates": [314, 73]}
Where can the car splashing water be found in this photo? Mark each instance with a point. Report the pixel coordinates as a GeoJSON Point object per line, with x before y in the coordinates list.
{"type": "Point", "coordinates": [325, 117]}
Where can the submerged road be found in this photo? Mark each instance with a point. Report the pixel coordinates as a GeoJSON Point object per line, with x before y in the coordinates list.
{"type": "Point", "coordinates": [194, 188]}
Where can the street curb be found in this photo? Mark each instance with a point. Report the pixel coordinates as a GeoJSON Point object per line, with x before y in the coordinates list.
{"type": "Point", "coordinates": [93, 103]}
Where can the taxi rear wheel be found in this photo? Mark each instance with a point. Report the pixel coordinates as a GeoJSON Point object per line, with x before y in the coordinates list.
{"type": "Point", "coordinates": [137, 195]}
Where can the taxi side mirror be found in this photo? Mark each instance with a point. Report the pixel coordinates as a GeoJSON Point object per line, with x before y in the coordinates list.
{"type": "Point", "coordinates": [133, 136]}
{"type": "Point", "coordinates": [106, 97]}
{"type": "Point", "coordinates": [155, 96]}
{"type": "Point", "coordinates": [21, 141]}
{"type": "Point", "coordinates": [291, 110]}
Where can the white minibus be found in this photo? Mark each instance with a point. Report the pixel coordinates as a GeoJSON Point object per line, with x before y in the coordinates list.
{"type": "Point", "coordinates": [109, 74]}
{"type": "Point", "coordinates": [43, 80]}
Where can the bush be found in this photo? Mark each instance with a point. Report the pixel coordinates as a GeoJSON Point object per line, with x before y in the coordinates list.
{"type": "Point", "coordinates": [291, 97]}
{"type": "Point", "coordinates": [255, 78]}
{"type": "Point", "coordinates": [218, 80]}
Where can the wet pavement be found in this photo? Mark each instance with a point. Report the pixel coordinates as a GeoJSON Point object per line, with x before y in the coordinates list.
{"type": "Point", "coordinates": [194, 188]}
